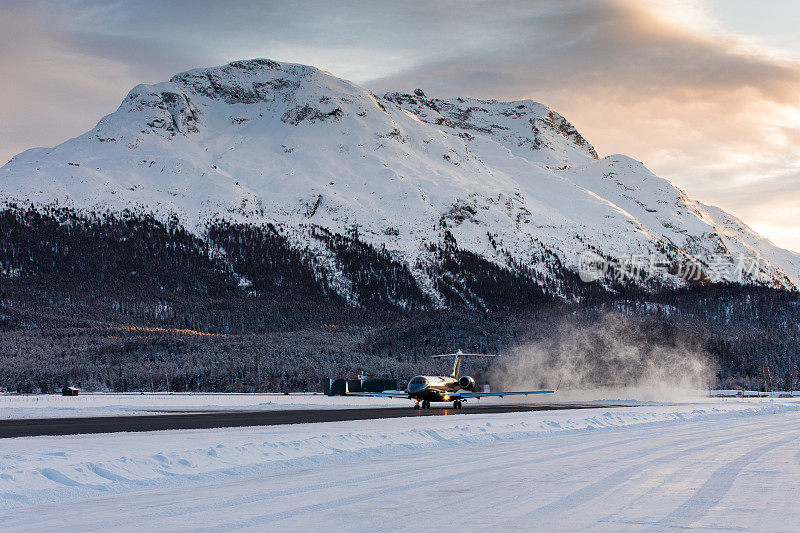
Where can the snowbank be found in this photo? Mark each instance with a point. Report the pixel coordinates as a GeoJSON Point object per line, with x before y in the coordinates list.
{"type": "Point", "coordinates": [44, 469]}
{"type": "Point", "coordinates": [14, 406]}
{"type": "Point", "coordinates": [114, 404]}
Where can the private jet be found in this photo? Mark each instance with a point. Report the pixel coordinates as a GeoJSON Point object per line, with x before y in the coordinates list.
{"type": "Point", "coordinates": [426, 389]}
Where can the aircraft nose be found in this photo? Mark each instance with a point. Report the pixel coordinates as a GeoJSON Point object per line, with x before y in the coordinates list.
{"type": "Point", "coordinates": [417, 384]}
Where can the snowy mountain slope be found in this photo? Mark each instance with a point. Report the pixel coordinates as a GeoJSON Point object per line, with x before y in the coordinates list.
{"type": "Point", "coordinates": [739, 238]}
{"type": "Point", "coordinates": [264, 142]}
{"type": "Point", "coordinates": [689, 231]}
{"type": "Point", "coordinates": [529, 129]}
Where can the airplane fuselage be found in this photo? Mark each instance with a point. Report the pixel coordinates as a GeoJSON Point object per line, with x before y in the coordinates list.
{"type": "Point", "coordinates": [432, 388]}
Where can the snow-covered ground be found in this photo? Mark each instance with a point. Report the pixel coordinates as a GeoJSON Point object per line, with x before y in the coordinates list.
{"type": "Point", "coordinates": [115, 404]}
{"type": "Point", "coordinates": [718, 463]}
{"type": "Point", "coordinates": [15, 406]}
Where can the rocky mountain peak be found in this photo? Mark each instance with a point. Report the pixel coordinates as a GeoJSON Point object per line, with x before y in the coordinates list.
{"type": "Point", "coordinates": [245, 82]}
{"type": "Point", "coordinates": [525, 126]}
{"type": "Point", "coordinates": [260, 142]}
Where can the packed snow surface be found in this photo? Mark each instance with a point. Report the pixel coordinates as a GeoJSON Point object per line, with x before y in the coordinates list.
{"type": "Point", "coordinates": [262, 142]}
{"type": "Point", "coordinates": [711, 464]}
{"type": "Point", "coordinates": [121, 404]}
{"type": "Point", "coordinates": [17, 406]}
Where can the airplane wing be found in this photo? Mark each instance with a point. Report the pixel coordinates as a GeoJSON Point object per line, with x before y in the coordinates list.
{"type": "Point", "coordinates": [384, 394]}
{"type": "Point", "coordinates": [501, 394]}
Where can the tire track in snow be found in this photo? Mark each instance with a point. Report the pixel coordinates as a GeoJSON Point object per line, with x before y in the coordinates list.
{"type": "Point", "coordinates": [198, 506]}
{"type": "Point", "coordinates": [655, 488]}
{"type": "Point", "coordinates": [604, 485]}
{"type": "Point", "coordinates": [425, 465]}
{"type": "Point", "coordinates": [716, 487]}
{"type": "Point", "coordinates": [461, 501]}
{"type": "Point", "coordinates": [372, 494]}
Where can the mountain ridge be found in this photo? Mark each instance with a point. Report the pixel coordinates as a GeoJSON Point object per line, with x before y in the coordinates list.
{"type": "Point", "coordinates": [259, 142]}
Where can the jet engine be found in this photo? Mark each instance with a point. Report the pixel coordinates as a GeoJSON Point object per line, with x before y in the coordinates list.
{"type": "Point", "coordinates": [466, 382]}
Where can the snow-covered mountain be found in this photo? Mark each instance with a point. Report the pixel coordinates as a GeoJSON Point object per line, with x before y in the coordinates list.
{"type": "Point", "coordinates": [514, 183]}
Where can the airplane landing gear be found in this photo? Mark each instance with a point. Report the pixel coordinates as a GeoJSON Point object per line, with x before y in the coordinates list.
{"type": "Point", "coordinates": [457, 404]}
{"type": "Point", "coordinates": [416, 405]}
{"type": "Point", "coordinates": [426, 404]}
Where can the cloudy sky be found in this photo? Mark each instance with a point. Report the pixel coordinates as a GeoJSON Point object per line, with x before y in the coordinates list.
{"type": "Point", "coordinates": [705, 92]}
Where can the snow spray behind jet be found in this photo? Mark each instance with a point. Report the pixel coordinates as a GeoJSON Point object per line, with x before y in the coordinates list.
{"type": "Point", "coordinates": [614, 357]}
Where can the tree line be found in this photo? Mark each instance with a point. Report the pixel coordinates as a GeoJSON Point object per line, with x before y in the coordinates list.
{"type": "Point", "coordinates": [128, 302]}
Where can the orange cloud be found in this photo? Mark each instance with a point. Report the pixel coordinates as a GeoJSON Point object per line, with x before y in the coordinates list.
{"type": "Point", "coordinates": [700, 107]}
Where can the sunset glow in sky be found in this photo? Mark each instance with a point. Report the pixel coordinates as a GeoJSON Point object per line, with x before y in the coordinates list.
{"type": "Point", "coordinates": [705, 93]}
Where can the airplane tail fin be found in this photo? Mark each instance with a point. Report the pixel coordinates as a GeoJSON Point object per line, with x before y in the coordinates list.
{"type": "Point", "coordinates": [457, 361]}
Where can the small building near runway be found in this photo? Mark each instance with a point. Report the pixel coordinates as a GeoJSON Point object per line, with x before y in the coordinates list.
{"type": "Point", "coordinates": [69, 391]}
{"type": "Point", "coordinates": [363, 383]}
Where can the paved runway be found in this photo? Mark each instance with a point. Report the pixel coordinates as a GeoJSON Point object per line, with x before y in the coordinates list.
{"type": "Point", "coordinates": [219, 419]}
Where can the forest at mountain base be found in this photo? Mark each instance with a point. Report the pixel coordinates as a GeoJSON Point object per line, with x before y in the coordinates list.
{"type": "Point", "coordinates": [128, 303]}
